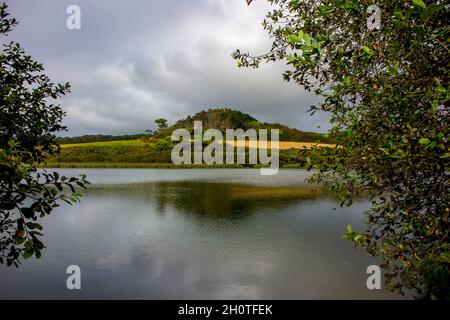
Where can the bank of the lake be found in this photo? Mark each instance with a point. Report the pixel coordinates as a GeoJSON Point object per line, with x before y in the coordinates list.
{"type": "Point", "coordinates": [151, 165]}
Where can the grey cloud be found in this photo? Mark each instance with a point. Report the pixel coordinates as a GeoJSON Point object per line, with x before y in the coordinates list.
{"type": "Point", "coordinates": [134, 61]}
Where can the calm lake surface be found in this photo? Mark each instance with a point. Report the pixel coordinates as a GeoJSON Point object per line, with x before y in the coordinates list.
{"type": "Point", "coordinates": [198, 234]}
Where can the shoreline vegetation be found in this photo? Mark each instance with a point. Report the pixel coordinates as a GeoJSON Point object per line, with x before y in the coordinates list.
{"type": "Point", "coordinates": [139, 154]}
{"type": "Point", "coordinates": [149, 165]}
{"type": "Point", "coordinates": [142, 154]}
{"type": "Point", "coordinates": [283, 145]}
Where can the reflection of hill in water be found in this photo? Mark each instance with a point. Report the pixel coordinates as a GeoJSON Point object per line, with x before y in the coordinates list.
{"type": "Point", "coordinates": [223, 200]}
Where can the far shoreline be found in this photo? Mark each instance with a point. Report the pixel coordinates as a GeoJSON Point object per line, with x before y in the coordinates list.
{"type": "Point", "coordinates": [144, 165]}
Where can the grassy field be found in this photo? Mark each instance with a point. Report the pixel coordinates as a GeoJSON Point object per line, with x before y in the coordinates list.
{"type": "Point", "coordinates": [283, 145]}
{"type": "Point", "coordinates": [269, 193]}
{"type": "Point", "coordinates": [135, 165]}
{"type": "Point", "coordinates": [141, 153]}
{"type": "Point", "coordinates": [150, 165]}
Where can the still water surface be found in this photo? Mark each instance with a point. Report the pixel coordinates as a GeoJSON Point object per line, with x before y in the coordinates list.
{"type": "Point", "coordinates": [198, 234]}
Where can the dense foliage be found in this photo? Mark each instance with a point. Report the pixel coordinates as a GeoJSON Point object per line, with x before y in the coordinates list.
{"type": "Point", "coordinates": [226, 118]}
{"type": "Point", "coordinates": [27, 126]}
{"type": "Point", "coordinates": [387, 90]}
{"type": "Point", "coordinates": [98, 138]}
{"type": "Point", "coordinates": [162, 123]}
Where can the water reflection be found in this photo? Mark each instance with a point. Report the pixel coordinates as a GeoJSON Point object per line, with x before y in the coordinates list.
{"type": "Point", "coordinates": [212, 200]}
{"type": "Point", "coordinates": [184, 237]}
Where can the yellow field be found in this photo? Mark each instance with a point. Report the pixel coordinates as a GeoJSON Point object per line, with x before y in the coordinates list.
{"type": "Point", "coordinates": [283, 145]}
{"type": "Point", "coordinates": [269, 193]}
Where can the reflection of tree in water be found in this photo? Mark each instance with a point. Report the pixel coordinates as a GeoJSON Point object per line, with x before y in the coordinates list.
{"type": "Point", "coordinates": [226, 200]}
{"type": "Point", "coordinates": [214, 200]}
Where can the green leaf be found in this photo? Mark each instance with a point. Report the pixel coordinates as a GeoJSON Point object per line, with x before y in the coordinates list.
{"type": "Point", "coordinates": [27, 212]}
{"type": "Point", "coordinates": [431, 11]}
{"type": "Point", "coordinates": [20, 240]}
{"type": "Point", "coordinates": [346, 81]}
{"type": "Point", "coordinates": [28, 245]}
{"type": "Point", "coordinates": [307, 39]}
{"type": "Point", "coordinates": [441, 90]}
{"type": "Point", "coordinates": [367, 50]}
{"type": "Point", "coordinates": [393, 69]}
{"type": "Point", "coordinates": [33, 226]}
{"type": "Point", "coordinates": [419, 4]}
{"type": "Point", "coordinates": [28, 254]}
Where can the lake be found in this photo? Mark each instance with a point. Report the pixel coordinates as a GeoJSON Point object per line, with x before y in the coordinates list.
{"type": "Point", "coordinates": [198, 234]}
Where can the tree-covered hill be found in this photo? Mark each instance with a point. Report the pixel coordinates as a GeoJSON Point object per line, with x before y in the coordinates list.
{"type": "Point", "coordinates": [226, 118]}
{"type": "Point", "coordinates": [155, 147]}
{"type": "Point", "coordinates": [220, 118]}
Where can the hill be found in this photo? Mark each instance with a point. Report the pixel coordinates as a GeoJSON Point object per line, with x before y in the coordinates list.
{"type": "Point", "coordinates": [153, 150]}
{"type": "Point", "coordinates": [226, 118]}
{"type": "Point", "coordinates": [221, 118]}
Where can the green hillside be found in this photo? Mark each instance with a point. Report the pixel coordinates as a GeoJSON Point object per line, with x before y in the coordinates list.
{"type": "Point", "coordinates": [153, 150]}
{"type": "Point", "coordinates": [225, 118]}
{"type": "Point", "coordinates": [222, 119]}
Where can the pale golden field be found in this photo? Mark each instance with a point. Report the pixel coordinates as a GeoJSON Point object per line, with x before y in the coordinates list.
{"type": "Point", "coordinates": [282, 145]}
{"type": "Point", "coordinates": [271, 193]}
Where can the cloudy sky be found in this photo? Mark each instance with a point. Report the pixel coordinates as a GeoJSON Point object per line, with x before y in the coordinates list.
{"type": "Point", "coordinates": [137, 60]}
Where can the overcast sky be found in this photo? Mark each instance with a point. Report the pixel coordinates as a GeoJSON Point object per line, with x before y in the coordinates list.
{"type": "Point", "coordinates": [137, 60]}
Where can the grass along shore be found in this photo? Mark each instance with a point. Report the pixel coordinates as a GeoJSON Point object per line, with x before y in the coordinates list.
{"type": "Point", "coordinates": [150, 165]}
{"type": "Point", "coordinates": [283, 145]}
{"type": "Point", "coordinates": [140, 153]}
